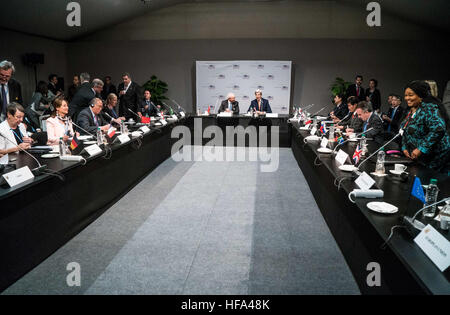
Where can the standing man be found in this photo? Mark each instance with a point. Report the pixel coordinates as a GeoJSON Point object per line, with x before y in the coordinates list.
{"type": "Point", "coordinates": [108, 88]}
{"type": "Point", "coordinates": [129, 97]}
{"type": "Point", "coordinates": [10, 90]}
{"type": "Point", "coordinates": [391, 121]}
{"type": "Point", "coordinates": [259, 104]}
{"type": "Point", "coordinates": [84, 95]}
{"type": "Point", "coordinates": [357, 89]}
{"type": "Point", "coordinates": [230, 105]}
{"type": "Point", "coordinates": [52, 82]}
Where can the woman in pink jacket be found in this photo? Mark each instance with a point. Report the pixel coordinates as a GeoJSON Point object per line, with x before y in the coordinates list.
{"type": "Point", "coordinates": [59, 125]}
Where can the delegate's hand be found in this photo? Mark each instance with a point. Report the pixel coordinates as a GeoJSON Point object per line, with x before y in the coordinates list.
{"type": "Point", "coordinates": [415, 154]}
{"type": "Point", "coordinates": [65, 138]}
{"type": "Point", "coordinates": [105, 128]}
{"type": "Point", "coordinates": [24, 146]}
{"type": "Point", "coordinates": [27, 139]}
{"type": "Point", "coordinates": [406, 153]}
{"type": "Point", "coordinates": [349, 130]}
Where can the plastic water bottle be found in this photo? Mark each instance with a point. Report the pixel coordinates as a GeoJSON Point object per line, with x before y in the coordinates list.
{"type": "Point", "coordinates": [331, 134]}
{"type": "Point", "coordinates": [121, 127]}
{"type": "Point", "coordinates": [379, 168]}
{"type": "Point", "coordinates": [363, 145]}
{"type": "Point", "coordinates": [431, 197]}
{"type": "Point", "coordinates": [445, 216]}
{"type": "Point", "coordinates": [62, 147]}
{"type": "Point", "coordinates": [99, 136]}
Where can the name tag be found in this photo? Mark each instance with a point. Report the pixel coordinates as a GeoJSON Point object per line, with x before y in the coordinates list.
{"type": "Point", "coordinates": [313, 131]}
{"type": "Point", "coordinates": [145, 129]}
{"type": "Point", "coordinates": [324, 143]}
{"type": "Point", "coordinates": [271, 115]}
{"type": "Point", "coordinates": [93, 150]}
{"type": "Point", "coordinates": [19, 176]}
{"type": "Point", "coordinates": [364, 181]}
{"type": "Point", "coordinates": [341, 157]}
{"type": "Point", "coordinates": [182, 114]}
{"type": "Point", "coordinates": [175, 117]}
{"type": "Point", "coordinates": [225, 114]}
{"type": "Point", "coordinates": [435, 246]}
{"type": "Point", "coordinates": [163, 122]}
{"type": "Point", "coordinates": [124, 138]}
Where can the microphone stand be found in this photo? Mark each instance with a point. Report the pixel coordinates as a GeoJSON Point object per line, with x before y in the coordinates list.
{"type": "Point", "coordinates": [319, 110]}
{"type": "Point", "coordinates": [395, 137]}
{"type": "Point", "coordinates": [134, 114]}
{"type": "Point", "coordinates": [413, 226]}
{"type": "Point", "coordinates": [83, 130]}
{"type": "Point", "coordinates": [339, 144]}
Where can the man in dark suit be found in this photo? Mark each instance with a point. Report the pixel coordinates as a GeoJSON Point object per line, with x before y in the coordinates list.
{"type": "Point", "coordinates": [392, 120]}
{"type": "Point", "coordinates": [90, 118]}
{"type": "Point", "coordinates": [259, 104]}
{"type": "Point", "coordinates": [129, 97]}
{"type": "Point", "coordinates": [52, 82]}
{"type": "Point", "coordinates": [230, 105]}
{"type": "Point", "coordinates": [84, 95]}
{"type": "Point", "coordinates": [10, 90]}
{"type": "Point", "coordinates": [340, 110]}
{"type": "Point", "coordinates": [148, 108]}
{"type": "Point", "coordinates": [371, 120]}
{"type": "Point", "coordinates": [357, 89]}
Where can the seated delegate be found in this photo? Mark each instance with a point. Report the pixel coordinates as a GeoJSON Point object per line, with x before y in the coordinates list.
{"type": "Point", "coordinates": [59, 125]}
{"type": "Point", "coordinates": [230, 105]}
{"type": "Point", "coordinates": [370, 121]}
{"type": "Point", "coordinates": [14, 130]}
{"type": "Point", "coordinates": [90, 119]}
{"type": "Point", "coordinates": [351, 123]}
{"type": "Point", "coordinates": [340, 109]}
{"type": "Point", "coordinates": [259, 105]}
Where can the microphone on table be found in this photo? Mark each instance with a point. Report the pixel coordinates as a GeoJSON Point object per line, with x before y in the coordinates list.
{"type": "Point", "coordinates": [376, 151]}
{"type": "Point", "coordinates": [179, 106]}
{"type": "Point", "coordinates": [40, 167]}
{"type": "Point", "coordinates": [319, 110]}
{"type": "Point", "coordinates": [414, 226]}
{"type": "Point", "coordinates": [134, 114]}
{"type": "Point", "coordinates": [170, 108]}
{"type": "Point", "coordinates": [339, 123]}
{"type": "Point", "coordinates": [357, 135]}
{"type": "Point", "coordinates": [84, 130]}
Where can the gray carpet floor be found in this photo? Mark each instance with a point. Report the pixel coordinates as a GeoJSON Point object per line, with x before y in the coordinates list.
{"type": "Point", "coordinates": [197, 227]}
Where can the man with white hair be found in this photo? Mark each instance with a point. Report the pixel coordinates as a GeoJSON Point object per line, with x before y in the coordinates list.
{"type": "Point", "coordinates": [260, 105]}
{"type": "Point", "coordinates": [10, 90]}
{"type": "Point", "coordinates": [84, 95]}
{"type": "Point", "coordinates": [230, 105]}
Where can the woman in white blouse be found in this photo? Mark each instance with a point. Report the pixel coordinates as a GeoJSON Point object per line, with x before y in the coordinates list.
{"type": "Point", "coordinates": [60, 124]}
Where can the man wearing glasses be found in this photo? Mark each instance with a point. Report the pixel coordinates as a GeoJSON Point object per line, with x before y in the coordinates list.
{"type": "Point", "coordinates": [10, 90]}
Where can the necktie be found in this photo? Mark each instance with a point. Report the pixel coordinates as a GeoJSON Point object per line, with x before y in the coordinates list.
{"type": "Point", "coordinates": [4, 101]}
{"type": "Point", "coordinates": [114, 113]}
{"type": "Point", "coordinates": [96, 120]}
{"type": "Point", "coordinates": [229, 106]}
{"type": "Point", "coordinates": [365, 126]}
{"type": "Point", "coordinates": [357, 91]}
{"type": "Point", "coordinates": [259, 105]}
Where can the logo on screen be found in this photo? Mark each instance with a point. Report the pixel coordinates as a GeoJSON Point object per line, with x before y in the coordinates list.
{"type": "Point", "coordinates": [260, 67]}
{"type": "Point", "coordinates": [235, 67]}
{"type": "Point", "coordinates": [221, 76]}
{"type": "Point", "coordinates": [211, 67]}
{"type": "Point", "coordinates": [235, 87]}
{"type": "Point", "coordinates": [270, 77]}
{"type": "Point", "coordinates": [221, 96]}
{"type": "Point", "coordinates": [246, 76]}
{"type": "Point", "coordinates": [245, 97]}
{"type": "Point", "coordinates": [260, 87]}
{"type": "Point", "coordinates": [270, 97]}
{"type": "Point", "coordinates": [284, 87]}
{"type": "Point", "coordinates": [211, 87]}
{"type": "Point", "coordinates": [285, 67]}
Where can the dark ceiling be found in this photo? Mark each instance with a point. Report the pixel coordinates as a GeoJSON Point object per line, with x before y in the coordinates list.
{"type": "Point", "coordinates": [48, 17]}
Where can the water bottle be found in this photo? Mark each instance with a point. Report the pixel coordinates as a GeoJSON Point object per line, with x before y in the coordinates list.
{"type": "Point", "coordinates": [331, 134]}
{"type": "Point", "coordinates": [431, 197]}
{"type": "Point", "coordinates": [99, 136]}
{"type": "Point", "coordinates": [363, 145]}
{"type": "Point", "coordinates": [62, 147]}
{"type": "Point", "coordinates": [445, 216]}
{"type": "Point", "coordinates": [121, 127]}
{"type": "Point", "coordinates": [379, 168]}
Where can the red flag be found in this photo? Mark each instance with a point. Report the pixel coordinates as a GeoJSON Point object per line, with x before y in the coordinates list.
{"type": "Point", "coordinates": [74, 143]}
{"type": "Point", "coordinates": [111, 132]}
{"type": "Point", "coordinates": [145, 120]}
{"type": "Point", "coordinates": [209, 109]}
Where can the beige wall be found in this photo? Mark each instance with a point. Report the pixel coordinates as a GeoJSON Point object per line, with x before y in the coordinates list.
{"type": "Point", "coordinates": [277, 19]}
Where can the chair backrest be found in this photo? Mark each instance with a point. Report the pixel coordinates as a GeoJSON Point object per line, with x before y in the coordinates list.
{"type": "Point", "coordinates": [43, 122]}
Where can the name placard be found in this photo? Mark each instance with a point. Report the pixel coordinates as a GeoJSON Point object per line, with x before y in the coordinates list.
{"type": "Point", "coordinates": [324, 143]}
{"type": "Point", "coordinates": [182, 114]}
{"type": "Point", "coordinates": [145, 129]}
{"type": "Point", "coordinates": [123, 138]}
{"type": "Point", "coordinates": [341, 157]}
{"type": "Point", "coordinates": [435, 246]}
{"type": "Point", "coordinates": [18, 176]}
{"type": "Point", "coordinates": [163, 122]}
{"type": "Point", "coordinates": [271, 115]}
{"type": "Point", "coordinates": [313, 131]}
{"type": "Point", "coordinates": [364, 181]}
{"type": "Point", "coordinates": [93, 150]}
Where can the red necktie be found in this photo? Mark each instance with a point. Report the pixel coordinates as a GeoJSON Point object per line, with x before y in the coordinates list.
{"type": "Point", "coordinates": [357, 91]}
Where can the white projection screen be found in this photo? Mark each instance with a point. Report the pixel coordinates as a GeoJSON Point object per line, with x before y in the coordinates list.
{"type": "Point", "coordinates": [215, 79]}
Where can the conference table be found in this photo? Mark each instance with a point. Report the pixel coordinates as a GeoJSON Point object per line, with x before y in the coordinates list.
{"type": "Point", "coordinates": [41, 215]}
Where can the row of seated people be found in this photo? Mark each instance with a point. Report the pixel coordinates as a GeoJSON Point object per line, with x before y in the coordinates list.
{"type": "Point", "coordinates": [424, 125]}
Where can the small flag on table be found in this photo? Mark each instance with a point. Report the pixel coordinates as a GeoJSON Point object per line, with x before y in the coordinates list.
{"type": "Point", "coordinates": [308, 122]}
{"type": "Point", "coordinates": [357, 155]}
{"type": "Point", "coordinates": [145, 120]}
{"type": "Point", "coordinates": [323, 129]}
{"type": "Point", "coordinates": [340, 140]}
{"type": "Point", "coordinates": [74, 143]}
{"type": "Point", "coordinates": [417, 190]}
{"type": "Point", "coordinates": [209, 109]}
{"type": "Point", "coordinates": [111, 132]}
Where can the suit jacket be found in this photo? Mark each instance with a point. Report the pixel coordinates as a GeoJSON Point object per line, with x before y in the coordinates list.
{"type": "Point", "coordinates": [395, 121]}
{"type": "Point", "coordinates": [86, 121]}
{"type": "Point", "coordinates": [15, 93]}
{"type": "Point", "coordinates": [375, 98]}
{"type": "Point", "coordinates": [265, 107]}
{"type": "Point", "coordinates": [376, 123]}
{"type": "Point", "coordinates": [341, 111]}
{"type": "Point", "coordinates": [132, 99]}
{"type": "Point", "coordinates": [108, 89]}
{"type": "Point", "coordinates": [152, 110]}
{"type": "Point", "coordinates": [351, 91]}
{"type": "Point", "coordinates": [52, 88]}
{"type": "Point", "coordinates": [234, 107]}
{"type": "Point", "coordinates": [81, 100]}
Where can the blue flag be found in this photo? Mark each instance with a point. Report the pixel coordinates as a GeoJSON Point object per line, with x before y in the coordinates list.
{"type": "Point", "coordinates": [417, 190]}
